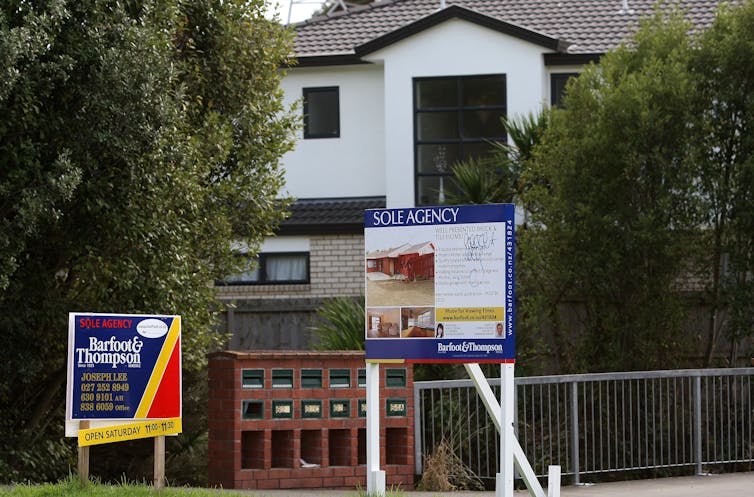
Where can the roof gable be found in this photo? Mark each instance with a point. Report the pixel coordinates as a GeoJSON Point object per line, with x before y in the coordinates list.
{"type": "Point", "coordinates": [462, 13]}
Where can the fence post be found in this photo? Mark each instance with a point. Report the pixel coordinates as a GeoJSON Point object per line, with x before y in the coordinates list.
{"type": "Point", "coordinates": [575, 431]}
{"type": "Point", "coordinates": [418, 425]}
{"type": "Point", "coordinates": [698, 423]}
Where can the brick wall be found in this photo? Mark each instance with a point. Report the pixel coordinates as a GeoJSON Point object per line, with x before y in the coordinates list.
{"type": "Point", "coordinates": [262, 436]}
{"type": "Point", "coordinates": [276, 316]}
{"type": "Point", "coordinates": [336, 267]}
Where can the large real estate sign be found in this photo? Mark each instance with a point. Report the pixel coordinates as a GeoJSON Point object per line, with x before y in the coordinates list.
{"type": "Point", "coordinates": [439, 284]}
{"type": "Point", "coordinates": [124, 376]}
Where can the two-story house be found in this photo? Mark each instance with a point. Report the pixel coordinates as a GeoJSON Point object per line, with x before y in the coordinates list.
{"type": "Point", "coordinates": [393, 94]}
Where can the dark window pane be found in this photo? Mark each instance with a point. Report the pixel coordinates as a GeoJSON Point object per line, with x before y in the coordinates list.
{"type": "Point", "coordinates": [483, 91]}
{"type": "Point", "coordinates": [437, 125]}
{"type": "Point", "coordinates": [321, 113]}
{"type": "Point", "coordinates": [483, 123]}
{"type": "Point", "coordinates": [454, 119]}
{"type": "Point", "coordinates": [436, 158]}
{"type": "Point", "coordinates": [436, 93]}
{"type": "Point", "coordinates": [557, 87]}
{"type": "Point", "coordinates": [273, 268]}
{"type": "Point", "coordinates": [478, 150]}
{"type": "Point", "coordinates": [434, 190]}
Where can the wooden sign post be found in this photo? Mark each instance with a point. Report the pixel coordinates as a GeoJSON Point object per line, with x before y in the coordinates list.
{"type": "Point", "coordinates": [159, 462]}
{"type": "Point", "coordinates": [83, 458]}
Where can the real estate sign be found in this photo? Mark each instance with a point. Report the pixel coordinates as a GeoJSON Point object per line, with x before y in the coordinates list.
{"type": "Point", "coordinates": [124, 371]}
{"type": "Point", "coordinates": [439, 284]}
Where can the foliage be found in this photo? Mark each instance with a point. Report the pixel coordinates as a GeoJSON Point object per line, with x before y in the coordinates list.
{"type": "Point", "coordinates": [341, 324]}
{"type": "Point", "coordinates": [613, 209]}
{"type": "Point", "coordinates": [444, 471]}
{"type": "Point", "coordinates": [723, 66]}
{"type": "Point", "coordinates": [526, 133]}
{"type": "Point", "coordinates": [138, 138]}
{"type": "Point", "coordinates": [638, 189]}
{"type": "Point", "coordinates": [497, 178]}
{"type": "Point", "coordinates": [479, 182]}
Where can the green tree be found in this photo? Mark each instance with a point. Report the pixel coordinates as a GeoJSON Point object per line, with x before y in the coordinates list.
{"type": "Point", "coordinates": [500, 178]}
{"type": "Point", "coordinates": [613, 212]}
{"type": "Point", "coordinates": [138, 139]}
{"type": "Point", "coordinates": [724, 68]}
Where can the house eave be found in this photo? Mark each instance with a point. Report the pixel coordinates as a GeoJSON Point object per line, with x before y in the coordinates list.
{"type": "Point", "coordinates": [329, 216]}
{"type": "Point", "coordinates": [570, 59]}
{"type": "Point", "coordinates": [320, 229]}
{"type": "Point", "coordinates": [323, 60]}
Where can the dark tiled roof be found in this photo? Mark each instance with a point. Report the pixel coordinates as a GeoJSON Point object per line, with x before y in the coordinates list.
{"type": "Point", "coordinates": [589, 26]}
{"type": "Point", "coordinates": [329, 215]}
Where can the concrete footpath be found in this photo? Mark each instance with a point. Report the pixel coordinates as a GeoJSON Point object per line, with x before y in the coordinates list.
{"type": "Point", "coordinates": [726, 485]}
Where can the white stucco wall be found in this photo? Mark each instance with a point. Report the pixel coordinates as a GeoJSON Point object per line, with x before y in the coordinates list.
{"type": "Point", "coordinates": [453, 48]}
{"type": "Point", "coordinates": [349, 166]}
{"type": "Point", "coordinates": [375, 152]}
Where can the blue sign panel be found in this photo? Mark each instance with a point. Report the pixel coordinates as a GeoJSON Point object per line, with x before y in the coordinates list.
{"type": "Point", "coordinates": [123, 367]}
{"type": "Point", "coordinates": [440, 284]}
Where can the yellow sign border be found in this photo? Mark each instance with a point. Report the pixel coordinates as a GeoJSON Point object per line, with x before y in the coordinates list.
{"type": "Point", "coordinates": [129, 431]}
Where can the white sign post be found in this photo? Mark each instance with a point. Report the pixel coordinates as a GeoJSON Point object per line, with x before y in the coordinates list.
{"type": "Point", "coordinates": [504, 479]}
{"type": "Point", "coordinates": [375, 477]}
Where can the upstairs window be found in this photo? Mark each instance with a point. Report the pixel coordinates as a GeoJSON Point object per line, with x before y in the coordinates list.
{"type": "Point", "coordinates": [558, 83]}
{"type": "Point", "coordinates": [321, 112]}
{"type": "Point", "coordinates": [455, 118]}
{"type": "Point", "coordinates": [273, 268]}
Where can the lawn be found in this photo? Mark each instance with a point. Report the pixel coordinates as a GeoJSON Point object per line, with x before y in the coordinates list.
{"type": "Point", "coordinates": [71, 488]}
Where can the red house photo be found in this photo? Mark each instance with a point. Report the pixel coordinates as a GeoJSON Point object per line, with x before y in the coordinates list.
{"type": "Point", "coordinates": [409, 262]}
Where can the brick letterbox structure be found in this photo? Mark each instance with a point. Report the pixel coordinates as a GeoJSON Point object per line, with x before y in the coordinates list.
{"type": "Point", "coordinates": [297, 419]}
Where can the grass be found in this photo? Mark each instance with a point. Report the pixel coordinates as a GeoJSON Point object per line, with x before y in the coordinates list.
{"type": "Point", "coordinates": [71, 488]}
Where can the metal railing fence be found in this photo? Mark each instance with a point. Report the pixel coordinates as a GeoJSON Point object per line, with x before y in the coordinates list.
{"type": "Point", "coordinates": [598, 423]}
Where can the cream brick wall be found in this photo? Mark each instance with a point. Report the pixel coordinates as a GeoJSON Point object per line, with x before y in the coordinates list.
{"type": "Point", "coordinates": [337, 265]}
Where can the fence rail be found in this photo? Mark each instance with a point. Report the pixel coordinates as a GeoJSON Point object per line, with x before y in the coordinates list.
{"type": "Point", "coordinates": [598, 423]}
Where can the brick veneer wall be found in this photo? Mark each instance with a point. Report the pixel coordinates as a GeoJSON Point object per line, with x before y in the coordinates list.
{"type": "Point", "coordinates": [337, 265]}
{"type": "Point", "coordinates": [336, 268]}
{"type": "Point", "coordinates": [266, 453]}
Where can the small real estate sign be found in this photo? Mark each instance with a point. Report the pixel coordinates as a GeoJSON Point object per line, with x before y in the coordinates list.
{"type": "Point", "coordinates": [439, 284]}
{"type": "Point", "coordinates": [124, 377]}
